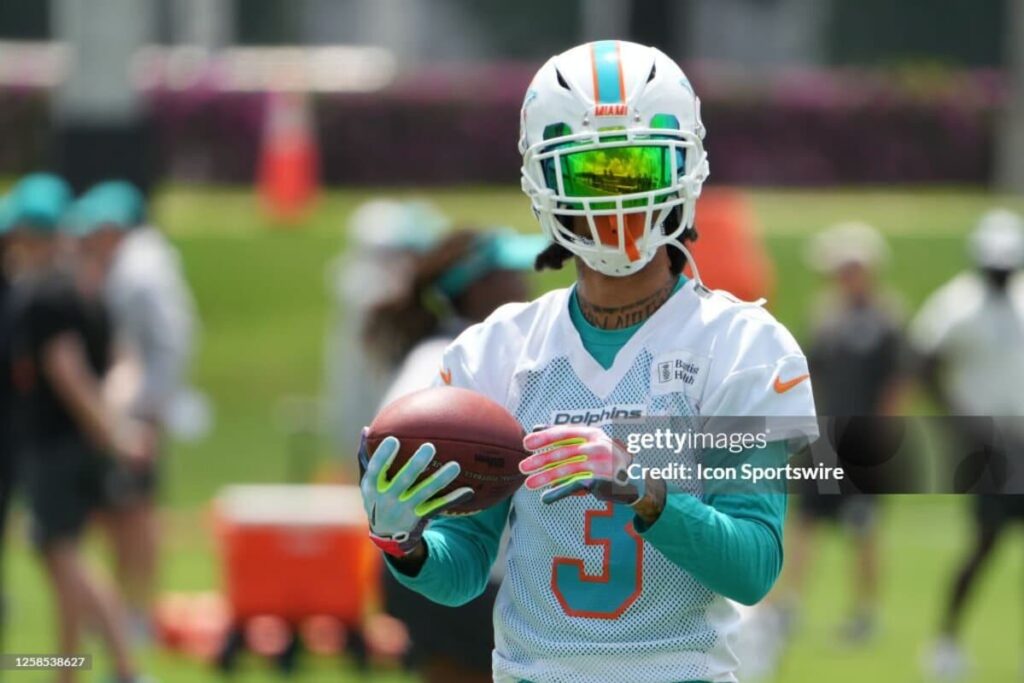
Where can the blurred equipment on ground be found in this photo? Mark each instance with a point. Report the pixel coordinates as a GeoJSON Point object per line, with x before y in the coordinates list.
{"type": "Point", "coordinates": [290, 554]}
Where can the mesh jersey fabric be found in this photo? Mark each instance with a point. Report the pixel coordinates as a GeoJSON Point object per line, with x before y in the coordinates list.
{"type": "Point", "coordinates": [584, 598]}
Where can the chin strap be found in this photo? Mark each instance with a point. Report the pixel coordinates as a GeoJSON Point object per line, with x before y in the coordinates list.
{"type": "Point", "coordinates": [678, 244]}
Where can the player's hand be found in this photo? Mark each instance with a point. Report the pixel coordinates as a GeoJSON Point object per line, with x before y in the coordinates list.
{"type": "Point", "coordinates": [568, 459]}
{"type": "Point", "coordinates": [399, 508]}
{"type": "Point", "coordinates": [130, 445]}
{"type": "Point", "coordinates": [147, 437]}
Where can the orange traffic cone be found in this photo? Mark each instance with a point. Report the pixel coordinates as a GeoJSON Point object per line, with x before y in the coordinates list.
{"type": "Point", "coordinates": [288, 171]}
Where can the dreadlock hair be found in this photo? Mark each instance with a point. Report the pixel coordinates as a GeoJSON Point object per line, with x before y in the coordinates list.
{"type": "Point", "coordinates": [555, 255]}
{"type": "Point", "coordinates": [393, 327]}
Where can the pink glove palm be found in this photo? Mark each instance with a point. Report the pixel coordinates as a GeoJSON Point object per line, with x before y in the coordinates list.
{"type": "Point", "coordinates": [569, 459]}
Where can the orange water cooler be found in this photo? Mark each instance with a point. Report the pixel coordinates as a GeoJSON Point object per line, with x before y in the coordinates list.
{"type": "Point", "coordinates": [296, 552]}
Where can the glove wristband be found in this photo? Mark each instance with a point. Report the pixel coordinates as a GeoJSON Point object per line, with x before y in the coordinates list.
{"type": "Point", "coordinates": [395, 546]}
{"type": "Point", "coordinates": [641, 490]}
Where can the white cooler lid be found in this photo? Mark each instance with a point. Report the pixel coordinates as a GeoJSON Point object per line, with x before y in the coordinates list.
{"type": "Point", "coordinates": [292, 504]}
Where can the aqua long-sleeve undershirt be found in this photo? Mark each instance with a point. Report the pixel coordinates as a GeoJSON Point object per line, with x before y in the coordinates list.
{"type": "Point", "coordinates": [730, 542]}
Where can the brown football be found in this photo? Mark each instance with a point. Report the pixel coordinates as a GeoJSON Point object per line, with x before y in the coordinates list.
{"type": "Point", "coordinates": [464, 426]}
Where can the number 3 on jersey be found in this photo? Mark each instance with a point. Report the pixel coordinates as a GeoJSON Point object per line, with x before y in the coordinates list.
{"type": "Point", "coordinates": [610, 593]}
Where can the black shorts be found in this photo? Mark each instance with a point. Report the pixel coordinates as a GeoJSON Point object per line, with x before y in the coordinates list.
{"type": "Point", "coordinates": [127, 485]}
{"type": "Point", "coordinates": [63, 482]}
{"type": "Point", "coordinates": [8, 473]}
{"type": "Point", "coordinates": [819, 506]}
{"type": "Point", "coordinates": [857, 511]}
{"type": "Point", "coordinates": [464, 634]}
{"type": "Point", "coordinates": [994, 512]}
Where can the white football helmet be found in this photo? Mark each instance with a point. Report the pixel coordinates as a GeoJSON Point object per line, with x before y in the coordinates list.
{"type": "Point", "coordinates": [611, 131]}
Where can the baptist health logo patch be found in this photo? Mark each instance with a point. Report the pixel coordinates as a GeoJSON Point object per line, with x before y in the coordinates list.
{"type": "Point", "coordinates": [679, 372]}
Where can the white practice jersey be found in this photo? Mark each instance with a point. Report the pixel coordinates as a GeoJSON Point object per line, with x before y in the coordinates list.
{"type": "Point", "coordinates": [585, 599]}
{"type": "Point", "coordinates": [979, 336]}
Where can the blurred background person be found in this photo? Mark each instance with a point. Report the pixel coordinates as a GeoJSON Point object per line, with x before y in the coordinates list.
{"type": "Point", "coordinates": [857, 357]}
{"type": "Point", "coordinates": [61, 351]}
{"type": "Point", "coordinates": [457, 283]}
{"type": "Point", "coordinates": [154, 321]}
{"type": "Point", "coordinates": [385, 239]}
{"type": "Point", "coordinates": [7, 447]}
{"type": "Point", "coordinates": [970, 337]}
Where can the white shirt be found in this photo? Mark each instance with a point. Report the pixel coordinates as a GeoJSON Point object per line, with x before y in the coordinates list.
{"type": "Point", "coordinates": [978, 334]}
{"type": "Point", "coordinates": [154, 313]}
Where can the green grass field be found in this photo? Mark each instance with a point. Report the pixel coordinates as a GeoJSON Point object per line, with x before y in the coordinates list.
{"type": "Point", "coordinates": [264, 307]}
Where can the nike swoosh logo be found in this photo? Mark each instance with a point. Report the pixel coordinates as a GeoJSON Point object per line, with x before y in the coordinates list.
{"type": "Point", "coordinates": [782, 387]}
{"type": "Point", "coordinates": [446, 376]}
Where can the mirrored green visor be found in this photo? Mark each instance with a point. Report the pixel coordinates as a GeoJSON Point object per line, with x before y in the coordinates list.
{"type": "Point", "coordinates": [616, 171]}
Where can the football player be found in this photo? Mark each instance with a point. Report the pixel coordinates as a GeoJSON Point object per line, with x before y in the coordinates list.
{"type": "Point", "coordinates": [460, 281]}
{"type": "Point", "coordinates": [384, 239]}
{"type": "Point", "coordinates": [610, 575]}
{"type": "Point", "coordinates": [969, 335]}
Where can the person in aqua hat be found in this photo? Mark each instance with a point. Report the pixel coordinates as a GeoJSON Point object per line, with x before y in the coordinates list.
{"type": "Point", "coordinates": [34, 210]}
{"type": "Point", "coordinates": [29, 215]}
{"type": "Point", "coordinates": [5, 213]}
{"type": "Point", "coordinates": [7, 470]}
{"type": "Point", "coordinates": [460, 281]}
{"type": "Point", "coordinates": [68, 436]}
{"type": "Point", "coordinates": [383, 237]}
{"type": "Point", "coordinates": [153, 316]}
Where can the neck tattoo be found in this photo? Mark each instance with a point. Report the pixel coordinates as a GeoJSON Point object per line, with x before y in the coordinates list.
{"type": "Point", "coordinates": [626, 315]}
